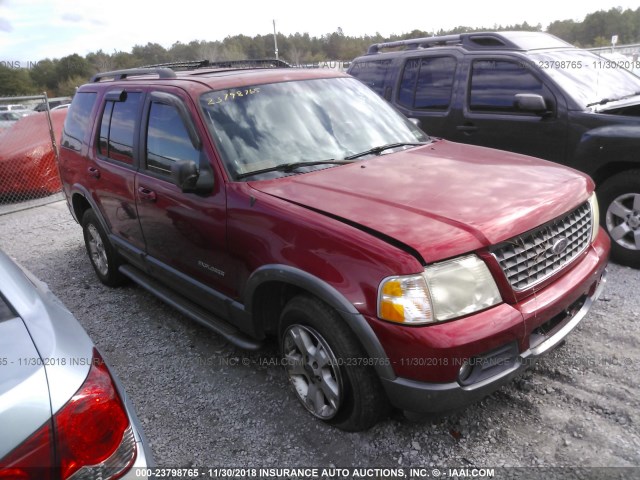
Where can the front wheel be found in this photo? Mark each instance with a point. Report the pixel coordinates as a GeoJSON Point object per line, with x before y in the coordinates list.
{"type": "Point", "coordinates": [326, 366]}
{"type": "Point", "coordinates": [619, 199]}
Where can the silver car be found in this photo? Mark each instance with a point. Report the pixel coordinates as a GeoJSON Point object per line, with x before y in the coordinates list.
{"type": "Point", "coordinates": [20, 110]}
{"type": "Point", "coordinates": [7, 119]}
{"type": "Point", "coordinates": [62, 412]}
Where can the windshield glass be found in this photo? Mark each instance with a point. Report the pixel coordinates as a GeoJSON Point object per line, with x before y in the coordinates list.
{"type": "Point", "coordinates": [263, 126]}
{"type": "Point", "coordinates": [588, 78]}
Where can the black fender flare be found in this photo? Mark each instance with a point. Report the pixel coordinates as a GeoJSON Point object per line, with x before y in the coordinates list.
{"type": "Point", "coordinates": [327, 293]}
{"type": "Point", "coordinates": [78, 189]}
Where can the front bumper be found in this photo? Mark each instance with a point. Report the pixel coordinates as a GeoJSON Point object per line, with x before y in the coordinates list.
{"type": "Point", "coordinates": [494, 368]}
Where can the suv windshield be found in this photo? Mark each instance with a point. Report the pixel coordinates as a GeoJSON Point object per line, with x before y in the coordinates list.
{"type": "Point", "coordinates": [261, 127]}
{"type": "Point", "coordinates": [591, 80]}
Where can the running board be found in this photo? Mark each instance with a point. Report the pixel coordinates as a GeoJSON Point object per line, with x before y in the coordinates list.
{"type": "Point", "coordinates": [190, 309]}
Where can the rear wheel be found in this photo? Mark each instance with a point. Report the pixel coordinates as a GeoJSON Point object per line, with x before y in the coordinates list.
{"type": "Point", "coordinates": [619, 199]}
{"type": "Point", "coordinates": [104, 258]}
{"type": "Point", "coordinates": [327, 367]}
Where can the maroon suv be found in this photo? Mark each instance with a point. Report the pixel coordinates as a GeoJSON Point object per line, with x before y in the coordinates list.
{"type": "Point", "coordinates": [393, 268]}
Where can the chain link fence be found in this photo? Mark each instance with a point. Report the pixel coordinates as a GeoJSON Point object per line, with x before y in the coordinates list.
{"type": "Point", "coordinates": [28, 152]}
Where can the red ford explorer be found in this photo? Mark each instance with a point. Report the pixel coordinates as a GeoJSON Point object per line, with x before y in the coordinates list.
{"type": "Point", "coordinates": [393, 268]}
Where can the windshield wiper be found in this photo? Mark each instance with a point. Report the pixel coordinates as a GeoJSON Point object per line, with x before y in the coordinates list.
{"type": "Point", "coordinates": [291, 166]}
{"type": "Point", "coordinates": [604, 101]}
{"type": "Point", "coordinates": [382, 148]}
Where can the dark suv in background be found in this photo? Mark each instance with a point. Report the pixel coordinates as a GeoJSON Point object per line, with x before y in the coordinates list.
{"type": "Point", "coordinates": [298, 204]}
{"type": "Point", "coordinates": [530, 93]}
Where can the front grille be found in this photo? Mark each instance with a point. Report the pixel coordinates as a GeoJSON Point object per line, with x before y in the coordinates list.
{"type": "Point", "coordinates": [536, 255]}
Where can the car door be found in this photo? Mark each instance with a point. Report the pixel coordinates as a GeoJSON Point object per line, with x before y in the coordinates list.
{"type": "Point", "coordinates": [185, 233]}
{"type": "Point", "coordinates": [489, 115]}
{"type": "Point", "coordinates": [426, 89]}
{"type": "Point", "coordinates": [111, 165]}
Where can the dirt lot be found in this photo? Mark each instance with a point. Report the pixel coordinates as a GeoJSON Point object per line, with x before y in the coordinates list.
{"type": "Point", "coordinates": [203, 402]}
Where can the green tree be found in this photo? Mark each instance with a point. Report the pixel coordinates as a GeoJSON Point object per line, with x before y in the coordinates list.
{"type": "Point", "coordinates": [45, 74]}
{"type": "Point", "coordinates": [300, 48]}
{"type": "Point", "coordinates": [15, 81]}
{"type": "Point", "coordinates": [100, 62]}
{"type": "Point", "coordinates": [67, 88]}
{"type": "Point", "coordinates": [73, 66]}
{"type": "Point", "coordinates": [150, 54]}
{"type": "Point", "coordinates": [122, 60]}
{"type": "Point", "coordinates": [564, 29]}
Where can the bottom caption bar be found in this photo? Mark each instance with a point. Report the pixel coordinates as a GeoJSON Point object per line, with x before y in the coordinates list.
{"type": "Point", "coordinates": [412, 473]}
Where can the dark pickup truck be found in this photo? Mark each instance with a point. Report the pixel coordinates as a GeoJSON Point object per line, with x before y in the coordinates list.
{"type": "Point", "coordinates": [530, 93]}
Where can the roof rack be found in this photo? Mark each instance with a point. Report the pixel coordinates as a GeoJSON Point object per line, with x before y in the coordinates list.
{"type": "Point", "coordinates": [122, 74]}
{"type": "Point", "coordinates": [195, 64]}
{"type": "Point", "coordinates": [415, 43]}
{"type": "Point", "coordinates": [183, 65]}
{"type": "Point", "coordinates": [258, 63]}
{"type": "Point", "coordinates": [167, 70]}
{"type": "Point", "coordinates": [522, 40]}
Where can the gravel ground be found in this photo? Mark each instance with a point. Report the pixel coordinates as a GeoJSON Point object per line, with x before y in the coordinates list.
{"type": "Point", "coordinates": [203, 402]}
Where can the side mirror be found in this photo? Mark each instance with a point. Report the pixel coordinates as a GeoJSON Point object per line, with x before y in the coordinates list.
{"type": "Point", "coordinates": [185, 175]}
{"type": "Point", "coordinates": [530, 102]}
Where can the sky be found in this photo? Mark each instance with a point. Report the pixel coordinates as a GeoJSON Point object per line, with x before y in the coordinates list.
{"type": "Point", "coordinates": [31, 30]}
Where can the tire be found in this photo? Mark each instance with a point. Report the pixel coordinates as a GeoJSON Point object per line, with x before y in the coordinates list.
{"type": "Point", "coordinates": [619, 199]}
{"type": "Point", "coordinates": [104, 258]}
{"type": "Point", "coordinates": [324, 364]}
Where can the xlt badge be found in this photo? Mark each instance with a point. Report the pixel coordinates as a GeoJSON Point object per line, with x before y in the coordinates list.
{"type": "Point", "coordinates": [210, 268]}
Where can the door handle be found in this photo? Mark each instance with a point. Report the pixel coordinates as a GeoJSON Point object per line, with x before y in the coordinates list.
{"type": "Point", "coordinates": [467, 128]}
{"type": "Point", "coordinates": [93, 172]}
{"type": "Point", "coordinates": [145, 194]}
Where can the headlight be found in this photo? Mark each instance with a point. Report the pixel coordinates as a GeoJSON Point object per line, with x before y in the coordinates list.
{"type": "Point", "coordinates": [444, 291]}
{"type": "Point", "coordinates": [595, 216]}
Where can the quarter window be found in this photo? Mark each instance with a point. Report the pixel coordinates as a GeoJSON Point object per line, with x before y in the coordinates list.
{"type": "Point", "coordinates": [494, 84]}
{"type": "Point", "coordinates": [117, 128]}
{"type": "Point", "coordinates": [77, 123]}
{"type": "Point", "coordinates": [427, 83]}
{"type": "Point", "coordinates": [372, 74]}
{"type": "Point", "coordinates": [167, 139]}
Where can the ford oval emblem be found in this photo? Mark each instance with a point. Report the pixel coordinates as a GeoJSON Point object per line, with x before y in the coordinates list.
{"type": "Point", "coordinates": [559, 246]}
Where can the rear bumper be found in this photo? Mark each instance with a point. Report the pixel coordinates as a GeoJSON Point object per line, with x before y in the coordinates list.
{"type": "Point", "coordinates": [496, 367]}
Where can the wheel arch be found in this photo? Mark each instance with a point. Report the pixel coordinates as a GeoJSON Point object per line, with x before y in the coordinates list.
{"type": "Point", "coordinates": [81, 201]}
{"type": "Point", "coordinates": [610, 169]}
{"type": "Point", "coordinates": [270, 287]}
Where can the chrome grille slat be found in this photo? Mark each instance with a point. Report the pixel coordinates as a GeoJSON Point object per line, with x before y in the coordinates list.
{"type": "Point", "coordinates": [528, 259]}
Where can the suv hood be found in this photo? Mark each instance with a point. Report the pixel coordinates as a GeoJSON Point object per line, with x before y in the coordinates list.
{"type": "Point", "coordinates": [443, 199]}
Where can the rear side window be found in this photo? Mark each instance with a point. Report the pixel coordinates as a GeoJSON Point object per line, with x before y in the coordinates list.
{"type": "Point", "coordinates": [371, 73]}
{"type": "Point", "coordinates": [78, 121]}
{"type": "Point", "coordinates": [167, 139]}
{"type": "Point", "coordinates": [117, 128]}
{"type": "Point", "coordinates": [494, 84]}
{"type": "Point", "coordinates": [427, 83]}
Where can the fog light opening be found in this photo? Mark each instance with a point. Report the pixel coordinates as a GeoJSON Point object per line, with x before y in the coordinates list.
{"type": "Point", "coordinates": [465, 372]}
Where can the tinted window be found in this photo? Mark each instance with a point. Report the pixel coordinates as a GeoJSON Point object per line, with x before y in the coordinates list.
{"type": "Point", "coordinates": [117, 129]}
{"type": "Point", "coordinates": [408, 82]}
{"type": "Point", "coordinates": [371, 73]}
{"type": "Point", "coordinates": [103, 144]}
{"type": "Point", "coordinates": [78, 123]}
{"type": "Point", "coordinates": [167, 139]}
{"type": "Point", "coordinates": [427, 83]}
{"type": "Point", "coordinates": [494, 84]}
